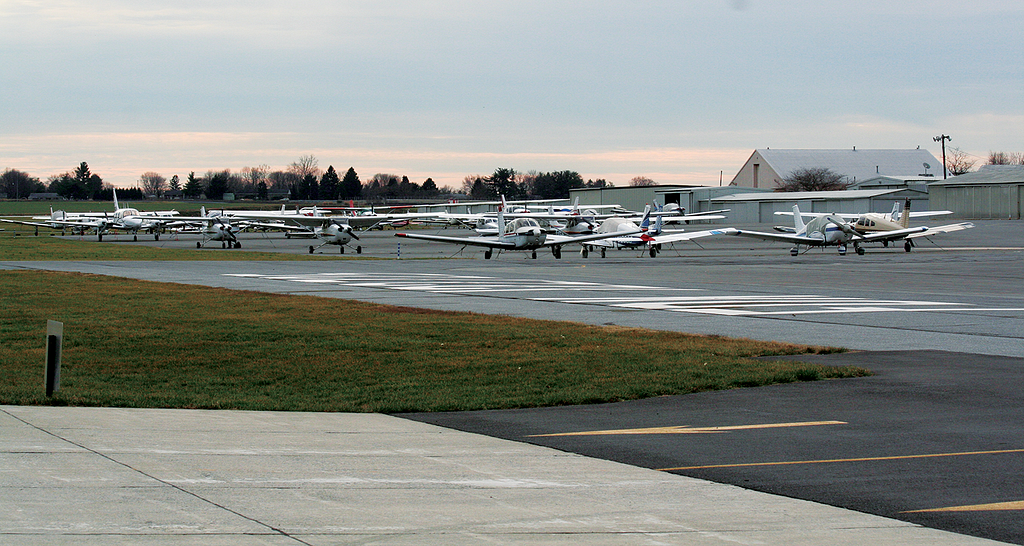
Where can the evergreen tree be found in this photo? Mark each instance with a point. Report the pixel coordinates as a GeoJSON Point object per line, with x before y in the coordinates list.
{"type": "Point", "coordinates": [330, 184]}
{"type": "Point", "coordinates": [193, 186]}
{"type": "Point", "coordinates": [351, 187]}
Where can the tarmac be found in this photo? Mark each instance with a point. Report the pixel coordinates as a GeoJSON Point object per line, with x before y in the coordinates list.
{"type": "Point", "coordinates": [103, 476]}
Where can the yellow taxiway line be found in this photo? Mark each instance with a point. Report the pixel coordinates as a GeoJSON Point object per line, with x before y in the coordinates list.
{"type": "Point", "coordinates": [688, 430]}
{"type": "Point", "coordinates": [993, 506]}
{"type": "Point", "coordinates": [855, 460]}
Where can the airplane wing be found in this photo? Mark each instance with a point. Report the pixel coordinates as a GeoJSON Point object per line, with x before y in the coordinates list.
{"type": "Point", "coordinates": [926, 213]}
{"type": "Point", "coordinates": [844, 215]}
{"type": "Point", "coordinates": [553, 240]}
{"type": "Point", "coordinates": [667, 238]}
{"type": "Point", "coordinates": [891, 235]}
{"type": "Point", "coordinates": [785, 237]}
{"type": "Point", "coordinates": [942, 229]}
{"type": "Point", "coordinates": [474, 241]}
{"type": "Point", "coordinates": [27, 223]}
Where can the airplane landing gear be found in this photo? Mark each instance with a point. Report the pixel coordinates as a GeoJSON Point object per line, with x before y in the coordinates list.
{"type": "Point", "coordinates": [860, 250]}
{"type": "Point", "coordinates": [603, 252]}
{"type": "Point", "coordinates": [534, 255]}
{"type": "Point", "coordinates": [795, 251]}
{"type": "Point", "coordinates": [907, 246]}
{"type": "Point", "coordinates": [584, 252]}
{"type": "Point", "coordinates": [842, 250]}
{"type": "Point", "coordinates": [653, 252]}
{"type": "Point", "coordinates": [487, 254]}
{"type": "Point", "coordinates": [556, 251]}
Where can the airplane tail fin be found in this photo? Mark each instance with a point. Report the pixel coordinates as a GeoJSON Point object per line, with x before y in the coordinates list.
{"type": "Point", "coordinates": [905, 217]}
{"type": "Point", "coordinates": [798, 221]}
{"type": "Point", "coordinates": [116, 206]}
{"type": "Point", "coordinates": [895, 214]}
{"type": "Point", "coordinates": [501, 216]}
{"type": "Point", "coordinates": [645, 223]}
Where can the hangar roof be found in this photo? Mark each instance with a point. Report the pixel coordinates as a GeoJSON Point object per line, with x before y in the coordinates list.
{"type": "Point", "coordinates": [988, 174]}
{"type": "Point", "coordinates": [854, 164]}
{"type": "Point", "coordinates": [812, 195]}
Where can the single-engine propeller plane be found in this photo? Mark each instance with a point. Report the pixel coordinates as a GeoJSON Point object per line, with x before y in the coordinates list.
{"type": "Point", "coordinates": [519, 234]}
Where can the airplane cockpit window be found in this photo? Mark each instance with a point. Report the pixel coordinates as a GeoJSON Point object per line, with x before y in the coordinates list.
{"type": "Point", "coordinates": [520, 223]}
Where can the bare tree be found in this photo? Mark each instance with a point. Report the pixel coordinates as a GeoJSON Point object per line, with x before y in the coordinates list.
{"type": "Point", "coordinates": [469, 181]}
{"type": "Point", "coordinates": [152, 183]}
{"type": "Point", "coordinates": [254, 175]}
{"type": "Point", "coordinates": [641, 181]}
{"type": "Point", "coordinates": [17, 184]}
{"type": "Point", "coordinates": [958, 161]}
{"type": "Point", "coordinates": [1003, 158]}
{"type": "Point", "coordinates": [813, 179]}
{"type": "Point", "coordinates": [305, 166]}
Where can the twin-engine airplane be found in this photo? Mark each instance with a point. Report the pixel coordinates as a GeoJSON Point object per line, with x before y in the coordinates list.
{"type": "Point", "coordinates": [833, 230]}
{"type": "Point", "coordinates": [123, 219]}
{"type": "Point", "coordinates": [519, 234]}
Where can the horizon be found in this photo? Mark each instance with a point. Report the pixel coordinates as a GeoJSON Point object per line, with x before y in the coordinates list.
{"type": "Point", "coordinates": [680, 93]}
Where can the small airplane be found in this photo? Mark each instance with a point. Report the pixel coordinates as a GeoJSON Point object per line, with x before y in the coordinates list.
{"type": "Point", "coordinates": [213, 227]}
{"type": "Point", "coordinates": [874, 223]}
{"type": "Point", "coordinates": [126, 219]}
{"type": "Point", "coordinates": [520, 234]}
{"type": "Point", "coordinates": [831, 230]}
{"type": "Point", "coordinates": [650, 238]}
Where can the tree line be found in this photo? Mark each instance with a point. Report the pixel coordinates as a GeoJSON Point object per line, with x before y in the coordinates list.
{"type": "Point", "coordinates": [302, 180]}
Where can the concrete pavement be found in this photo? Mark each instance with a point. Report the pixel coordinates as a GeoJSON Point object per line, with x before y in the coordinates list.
{"type": "Point", "coordinates": [99, 476]}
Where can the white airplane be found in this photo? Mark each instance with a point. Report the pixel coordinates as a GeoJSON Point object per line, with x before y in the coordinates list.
{"type": "Point", "coordinates": [650, 239]}
{"type": "Point", "coordinates": [874, 222]}
{"type": "Point", "coordinates": [519, 234]}
{"type": "Point", "coordinates": [831, 230]}
{"type": "Point", "coordinates": [125, 219]}
{"type": "Point", "coordinates": [213, 228]}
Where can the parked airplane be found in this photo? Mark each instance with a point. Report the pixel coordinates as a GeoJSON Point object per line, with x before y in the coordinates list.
{"type": "Point", "coordinates": [126, 219]}
{"type": "Point", "coordinates": [830, 230]}
{"type": "Point", "coordinates": [874, 223]}
{"type": "Point", "coordinates": [519, 234]}
{"type": "Point", "coordinates": [213, 228]}
{"type": "Point", "coordinates": [650, 239]}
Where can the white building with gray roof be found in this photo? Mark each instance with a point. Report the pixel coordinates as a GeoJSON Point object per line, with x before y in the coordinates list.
{"type": "Point", "coordinates": [766, 168]}
{"type": "Point", "coordinates": [994, 191]}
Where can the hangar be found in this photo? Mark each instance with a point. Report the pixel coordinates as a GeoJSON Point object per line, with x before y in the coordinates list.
{"type": "Point", "coordinates": [753, 206]}
{"type": "Point", "coordinates": [767, 167]}
{"type": "Point", "coordinates": [760, 208]}
{"type": "Point", "coordinates": [994, 191]}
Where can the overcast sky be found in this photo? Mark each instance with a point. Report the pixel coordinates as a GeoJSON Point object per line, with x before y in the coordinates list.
{"type": "Point", "coordinates": [675, 91]}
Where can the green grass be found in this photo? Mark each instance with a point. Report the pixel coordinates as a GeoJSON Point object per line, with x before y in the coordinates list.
{"type": "Point", "coordinates": [142, 344]}
{"type": "Point", "coordinates": [27, 247]}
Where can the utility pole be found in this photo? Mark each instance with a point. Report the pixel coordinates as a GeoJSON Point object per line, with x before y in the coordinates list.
{"type": "Point", "coordinates": [943, 139]}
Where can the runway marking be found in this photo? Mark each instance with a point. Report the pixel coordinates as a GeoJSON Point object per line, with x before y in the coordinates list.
{"type": "Point", "coordinates": [673, 299]}
{"type": "Point", "coordinates": [688, 430]}
{"type": "Point", "coordinates": [798, 304]}
{"type": "Point", "coordinates": [446, 283]}
{"type": "Point", "coordinates": [855, 460]}
{"type": "Point", "coordinates": [990, 507]}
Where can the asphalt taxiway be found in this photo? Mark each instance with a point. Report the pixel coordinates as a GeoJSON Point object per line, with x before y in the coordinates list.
{"type": "Point", "coordinates": [940, 412]}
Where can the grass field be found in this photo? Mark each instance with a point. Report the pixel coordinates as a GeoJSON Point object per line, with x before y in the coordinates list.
{"type": "Point", "coordinates": [143, 344]}
{"type": "Point", "coordinates": [27, 247]}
